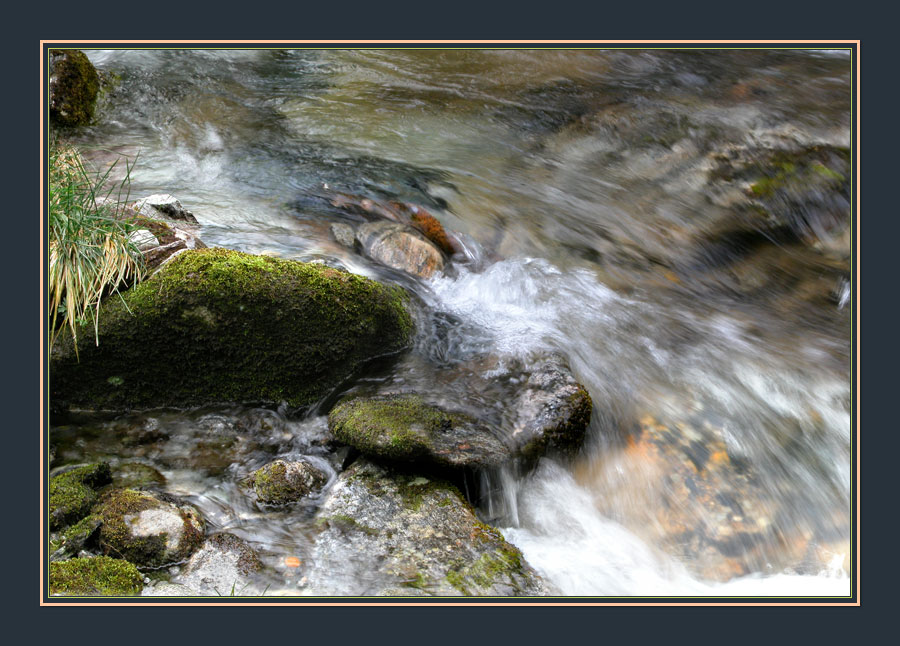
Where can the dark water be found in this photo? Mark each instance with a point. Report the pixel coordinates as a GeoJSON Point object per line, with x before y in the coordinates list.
{"type": "Point", "coordinates": [599, 198]}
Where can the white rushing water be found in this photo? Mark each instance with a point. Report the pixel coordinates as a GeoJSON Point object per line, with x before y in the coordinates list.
{"type": "Point", "coordinates": [582, 553]}
{"type": "Point", "coordinates": [528, 306]}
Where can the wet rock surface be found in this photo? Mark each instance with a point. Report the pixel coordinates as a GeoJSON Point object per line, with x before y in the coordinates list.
{"type": "Point", "coordinates": [400, 247]}
{"type": "Point", "coordinates": [531, 408]}
{"type": "Point", "coordinates": [405, 428]}
{"type": "Point", "coordinates": [386, 532]}
{"type": "Point", "coordinates": [552, 411]}
{"type": "Point", "coordinates": [224, 565]}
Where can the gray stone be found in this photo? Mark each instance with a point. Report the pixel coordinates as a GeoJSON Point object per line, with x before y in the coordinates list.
{"type": "Point", "coordinates": [163, 204]}
{"type": "Point", "coordinates": [391, 533]}
{"type": "Point", "coordinates": [405, 428]}
{"type": "Point", "coordinates": [552, 411]}
{"type": "Point", "coordinates": [224, 566]}
{"type": "Point", "coordinates": [143, 239]}
{"type": "Point", "coordinates": [344, 234]}
{"type": "Point", "coordinates": [166, 589]}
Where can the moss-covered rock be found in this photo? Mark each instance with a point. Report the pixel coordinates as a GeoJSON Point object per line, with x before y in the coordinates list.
{"type": "Point", "coordinates": [73, 493]}
{"type": "Point", "coordinates": [75, 538]}
{"type": "Point", "coordinates": [384, 532]}
{"type": "Point", "coordinates": [404, 428]}
{"type": "Point", "coordinates": [74, 84]}
{"type": "Point", "coordinates": [282, 482]}
{"type": "Point", "coordinates": [222, 326]}
{"type": "Point", "coordinates": [99, 576]}
{"type": "Point", "coordinates": [147, 529]}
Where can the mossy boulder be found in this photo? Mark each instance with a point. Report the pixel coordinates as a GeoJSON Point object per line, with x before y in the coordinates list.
{"type": "Point", "coordinates": [79, 536]}
{"type": "Point", "coordinates": [73, 493]}
{"type": "Point", "coordinates": [385, 532]}
{"type": "Point", "coordinates": [283, 482]}
{"type": "Point", "coordinates": [405, 428]}
{"type": "Point", "coordinates": [74, 84]}
{"type": "Point", "coordinates": [150, 530]}
{"type": "Point", "coordinates": [98, 576]}
{"type": "Point", "coordinates": [220, 326]}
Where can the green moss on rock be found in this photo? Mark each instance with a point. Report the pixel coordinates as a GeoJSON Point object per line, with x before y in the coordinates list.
{"type": "Point", "coordinates": [282, 482]}
{"type": "Point", "coordinates": [396, 426]}
{"type": "Point", "coordinates": [126, 533]}
{"type": "Point", "coordinates": [75, 538]}
{"type": "Point", "coordinates": [502, 567]}
{"type": "Point", "coordinates": [99, 576]}
{"type": "Point", "coordinates": [220, 326]}
{"type": "Point", "coordinates": [74, 84]}
{"type": "Point", "coordinates": [404, 428]}
{"type": "Point", "coordinates": [73, 492]}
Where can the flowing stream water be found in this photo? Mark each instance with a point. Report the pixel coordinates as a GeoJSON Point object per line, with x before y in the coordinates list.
{"type": "Point", "coordinates": [577, 182]}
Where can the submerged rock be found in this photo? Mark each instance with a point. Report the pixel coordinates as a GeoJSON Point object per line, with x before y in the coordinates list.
{"type": "Point", "coordinates": [134, 475]}
{"type": "Point", "coordinates": [74, 84]}
{"type": "Point", "coordinates": [73, 493]}
{"type": "Point", "coordinates": [686, 488]}
{"type": "Point", "coordinates": [167, 589]}
{"type": "Point", "coordinates": [97, 576]}
{"type": "Point", "coordinates": [387, 533]}
{"type": "Point", "coordinates": [147, 529]}
{"type": "Point", "coordinates": [223, 566]}
{"type": "Point", "coordinates": [247, 328]}
{"type": "Point", "coordinates": [282, 482]}
{"type": "Point", "coordinates": [343, 234]}
{"type": "Point", "coordinates": [404, 428]}
{"type": "Point", "coordinates": [400, 247]}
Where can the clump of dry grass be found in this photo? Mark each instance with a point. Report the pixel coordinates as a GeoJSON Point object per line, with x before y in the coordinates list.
{"type": "Point", "coordinates": [90, 252]}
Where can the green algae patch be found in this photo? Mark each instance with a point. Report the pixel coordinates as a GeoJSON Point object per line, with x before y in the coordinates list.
{"type": "Point", "coordinates": [74, 492]}
{"type": "Point", "coordinates": [220, 326]}
{"type": "Point", "coordinates": [98, 576]}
